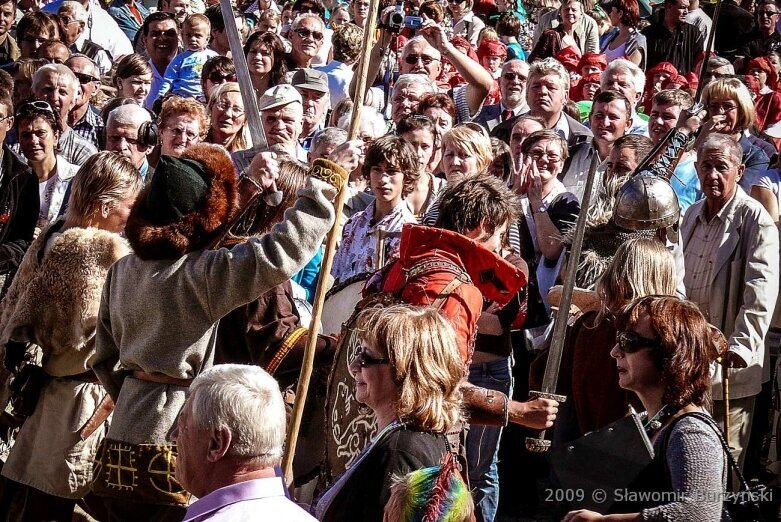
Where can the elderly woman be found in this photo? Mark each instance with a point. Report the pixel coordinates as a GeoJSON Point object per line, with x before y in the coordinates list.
{"type": "Point", "coordinates": [265, 54]}
{"type": "Point", "coordinates": [628, 42]}
{"type": "Point", "coordinates": [228, 120]}
{"type": "Point", "coordinates": [407, 370]}
{"type": "Point", "coordinates": [466, 152]}
{"type": "Point", "coordinates": [38, 128]}
{"type": "Point", "coordinates": [547, 212]}
{"type": "Point", "coordinates": [183, 122]}
{"type": "Point", "coordinates": [663, 352]}
{"type": "Point", "coordinates": [133, 78]}
{"type": "Point", "coordinates": [731, 112]}
{"type": "Point", "coordinates": [52, 304]}
{"type": "Point", "coordinates": [465, 23]}
{"type": "Point", "coordinates": [553, 41]}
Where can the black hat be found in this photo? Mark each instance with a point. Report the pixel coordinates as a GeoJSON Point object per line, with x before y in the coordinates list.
{"type": "Point", "coordinates": [178, 187]}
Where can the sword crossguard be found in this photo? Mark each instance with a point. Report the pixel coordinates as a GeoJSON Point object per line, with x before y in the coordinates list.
{"type": "Point", "coordinates": [546, 395]}
{"type": "Point", "coordinates": [537, 445]}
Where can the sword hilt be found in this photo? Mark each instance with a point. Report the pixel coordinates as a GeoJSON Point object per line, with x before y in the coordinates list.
{"type": "Point", "coordinates": [540, 444]}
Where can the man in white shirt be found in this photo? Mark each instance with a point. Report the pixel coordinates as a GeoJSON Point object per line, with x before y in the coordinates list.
{"type": "Point", "coordinates": [100, 29]}
{"type": "Point", "coordinates": [230, 436]}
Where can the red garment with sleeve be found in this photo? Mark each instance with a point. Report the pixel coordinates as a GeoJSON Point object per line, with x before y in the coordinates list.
{"type": "Point", "coordinates": [449, 252]}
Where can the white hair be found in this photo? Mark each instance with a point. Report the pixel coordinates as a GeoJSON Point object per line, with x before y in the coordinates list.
{"type": "Point", "coordinates": [622, 65]}
{"type": "Point", "coordinates": [130, 114]}
{"type": "Point", "coordinates": [303, 16]}
{"type": "Point", "coordinates": [419, 40]}
{"type": "Point", "coordinates": [415, 79]}
{"type": "Point", "coordinates": [246, 400]}
{"type": "Point", "coordinates": [370, 116]}
{"type": "Point", "coordinates": [58, 69]}
{"type": "Point", "coordinates": [330, 136]}
{"type": "Point", "coordinates": [76, 9]}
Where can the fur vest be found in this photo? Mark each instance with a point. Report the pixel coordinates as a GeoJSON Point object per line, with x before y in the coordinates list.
{"type": "Point", "coordinates": [53, 301]}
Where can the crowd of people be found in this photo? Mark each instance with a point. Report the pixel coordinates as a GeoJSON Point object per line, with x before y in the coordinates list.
{"type": "Point", "coordinates": [158, 283]}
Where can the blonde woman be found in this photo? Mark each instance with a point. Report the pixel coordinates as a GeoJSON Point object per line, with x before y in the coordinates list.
{"type": "Point", "coordinates": [53, 304]}
{"type": "Point", "coordinates": [228, 119]}
{"type": "Point", "coordinates": [183, 122]}
{"type": "Point", "coordinates": [407, 370]}
{"type": "Point", "coordinates": [466, 152]}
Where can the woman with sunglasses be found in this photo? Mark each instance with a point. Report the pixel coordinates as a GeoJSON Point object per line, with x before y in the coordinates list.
{"type": "Point", "coordinates": [183, 122]}
{"type": "Point", "coordinates": [663, 353]}
{"type": "Point", "coordinates": [133, 78]}
{"type": "Point", "coordinates": [38, 128]}
{"type": "Point", "coordinates": [407, 370]}
{"type": "Point", "coordinates": [53, 303]}
{"type": "Point", "coordinates": [265, 54]}
{"type": "Point", "coordinates": [216, 71]}
{"type": "Point", "coordinates": [228, 119]}
{"type": "Point", "coordinates": [465, 23]}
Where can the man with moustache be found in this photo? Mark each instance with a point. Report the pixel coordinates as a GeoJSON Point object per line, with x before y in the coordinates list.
{"type": "Point", "coordinates": [161, 37]}
{"type": "Point", "coordinates": [499, 118]}
{"type": "Point", "coordinates": [312, 85]}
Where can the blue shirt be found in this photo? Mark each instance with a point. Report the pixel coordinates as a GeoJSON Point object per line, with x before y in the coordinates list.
{"type": "Point", "coordinates": [686, 184]}
{"type": "Point", "coordinates": [183, 75]}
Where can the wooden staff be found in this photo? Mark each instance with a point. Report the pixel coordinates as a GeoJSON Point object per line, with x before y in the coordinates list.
{"type": "Point", "coordinates": [302, 389]}
{"type": "Point", "coordinates": [725, 396]}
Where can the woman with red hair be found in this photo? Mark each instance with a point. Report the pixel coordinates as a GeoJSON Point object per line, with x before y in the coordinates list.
{"type": "Point", "coordinates": [767, 100]}
{"type": "Point", "coordinates": [628, 42]}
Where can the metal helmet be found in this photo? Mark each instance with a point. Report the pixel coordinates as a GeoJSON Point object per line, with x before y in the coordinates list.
{"type": "Point", "coordinates": [646, 202]}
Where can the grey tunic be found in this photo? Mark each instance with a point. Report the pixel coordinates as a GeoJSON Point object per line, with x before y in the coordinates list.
{"type": "Point", "coordinates": [160, 316]}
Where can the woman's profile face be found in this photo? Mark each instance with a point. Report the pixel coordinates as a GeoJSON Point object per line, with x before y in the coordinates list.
{"type": "Point", "coordinates": [374, 384]}
{"type": "Point", "coordinates": [37, 139]}
{"type": "Point", "coordinates": [637, 371]}
{"type": "Point", "coordinates": [113, 217]}
{"type": "Point", "coordinates": [260, 58]}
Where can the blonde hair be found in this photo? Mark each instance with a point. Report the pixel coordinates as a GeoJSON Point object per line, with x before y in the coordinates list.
{"type": "Point", "coordinates": [469, 140]}
{"type": "Point", "coordinates": [241, 140]}
{"type": "Point", "coordinates": [640, 267]}
{"type": "Point", "coordinates": [732, 89]}
{"type": "Point", "coordinates": [425, 363]}
{"type": "Point", "coordinates": [105, 177]}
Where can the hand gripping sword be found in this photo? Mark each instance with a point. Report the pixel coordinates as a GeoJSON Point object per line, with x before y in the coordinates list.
{"type": "Point", "coordinates": [551, 376]}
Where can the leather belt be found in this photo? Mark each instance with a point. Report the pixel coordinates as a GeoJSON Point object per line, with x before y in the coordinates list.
{"type": "Point", "coordinates": [159, 378]}
{"type": "Point", "coordinates": [102, 412]}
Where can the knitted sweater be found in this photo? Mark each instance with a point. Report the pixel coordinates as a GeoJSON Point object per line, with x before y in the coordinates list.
{"type": "Point", "coordinates": [160, 316]}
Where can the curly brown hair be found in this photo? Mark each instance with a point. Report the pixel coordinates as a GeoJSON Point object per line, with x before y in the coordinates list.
{"type": "Point", "coordinates": [688, 345]}
{"type": "Point", "coordinates": [397, 152]}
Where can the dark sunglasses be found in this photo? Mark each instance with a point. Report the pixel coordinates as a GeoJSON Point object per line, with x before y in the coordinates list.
{"type": "Point", "coordinates": [367, 360]}
{"type": "Point", "coordinates": [33, 106]}
{"type": "Point", "coordinates": [218, 77]}
{"type": "Point", "coordinates": [306, 33]}
{"type": "Point", "coordinates": [171, 33]}
{"type": "Point", "coordinates": [413, 59]}
{"type": "Point", "coordinates": [766, 13]}
{"type": "Point", "coordinates": [511, 77]}
{"type": "Point", "coordinates": [631, 342]}
{"type": "Point", "coordinates": [85, 78]}
{"type": "Point", "coordinates": [456, 1]}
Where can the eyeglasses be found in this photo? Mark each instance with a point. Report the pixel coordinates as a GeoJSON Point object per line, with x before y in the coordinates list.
{"type": "Point", "coordinates": [718, 108]}
{"type": "Point", "coordinates": [6, 118]}
{"type": "Point", "coordinates": [67, 21]}
{"type": "Point", "coordinates": [537, 155]}
{"type": "Point", "coordinates": [180, 131]}
{"type": "Point", "coordinates": [85, 78]}
{"type": "Point", "coordinates": [413, 59]}
{"type": "Point", "coordinates": [367, 360]}
{"type": "Point", "coordinates": [766, 13]}
{"type": "Point", "coordinates": [218, 77]}
{"type": "Point", "coordinates": [511, 77]}
{"type": "Point", "coordinates": [306, 33]}
{"type": "Point", "coordinates": [170, 33]}
{"type": "Point", "coordinates": [33, 106]}
{"type": "Point", "coordinates": [225, 107]}
{"type": "Point", "coordinates": [631, 342]}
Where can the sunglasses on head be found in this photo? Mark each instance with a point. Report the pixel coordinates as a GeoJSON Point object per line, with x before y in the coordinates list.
{"type": "Point", "coordinates": [85, 78]}
{"type": "Point", "coordinates": [33, 106]}
{"type": "Point", "coordinates": [218, 77]}
{"type": "Point", "coordinates": [367, 360]}
{"type": "Point", "coordinates": [306, 33]}
{"type": "Point", "coordinates": [631, 342]}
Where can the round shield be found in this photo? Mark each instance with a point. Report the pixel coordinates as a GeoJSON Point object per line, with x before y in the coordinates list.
{"type": "Point", "coordinates": [340, 303]}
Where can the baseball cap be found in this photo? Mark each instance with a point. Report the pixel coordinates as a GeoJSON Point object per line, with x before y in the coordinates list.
{"type": "Point", "coordinates": [311, 79]}
{"type": "Point", "coordinates": [278, 96]}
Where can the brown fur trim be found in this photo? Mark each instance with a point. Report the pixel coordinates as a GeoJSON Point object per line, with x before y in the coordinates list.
{"type": "Point", "coordinates": [196, 230]}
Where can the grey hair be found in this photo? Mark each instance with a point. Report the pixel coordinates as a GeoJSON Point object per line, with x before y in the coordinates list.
{"type": "Point", "coordinates": [512, 62]}
{"type": "Point", "coordinates": [415, 79]}
{"type": "Point", "coordinates": [329, 135]}
{"type": "Point", "coordinates": [622, 65]}
{"type": "Point", "coordinates": [549, 66]}
{"type": "Point", "coordinates": [246, 400]}
{"type": "Point", "coordinates": [95, 70]}
{"type": "Point", "coordinates": [422, 41]}
{"type": "Point", "coordinates": [130, 114]}
{"type": "Point", "coordinates": [369, 115]}
{"type": "Point", "coordinates": [721, 142]}
{"type": "Point", "coordinates": [303, 16]}
{"type": "Point", "coordinates": [717, 62]}
{"type": "Point", "coordinates": [78, 11]}
{"type": "Point", "coordinates": [58, 69]}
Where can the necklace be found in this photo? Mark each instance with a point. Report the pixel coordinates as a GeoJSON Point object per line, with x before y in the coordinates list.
{"type": "Point", "coordinates": [658, 420]}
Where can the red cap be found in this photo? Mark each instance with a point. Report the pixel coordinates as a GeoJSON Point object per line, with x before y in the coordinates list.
{"type": "Point", "coordinates": [491, 48]}
{"type": "Point", "coordinates": [569, 58]}
{"type": "Point", "coordinates": [598, 60]}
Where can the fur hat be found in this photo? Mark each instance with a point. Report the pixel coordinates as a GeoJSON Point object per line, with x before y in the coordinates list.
{"type": "Point", "coordinates": [187, 205]}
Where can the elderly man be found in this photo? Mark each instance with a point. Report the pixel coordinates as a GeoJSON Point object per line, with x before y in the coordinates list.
{"type": "Point", "coordinates": [672, 39]}
{"type": "Point", "coordinates": [161, 37]}
{"type": "Point", "coordinates": [501, 116]}
{"type": "Point", "coordinates": [282, 111]}
{"type": "Point", "coordinates": [306, 38]}
{"type": "Point", "coordinates": [85, 118]}
{"type": "Point", "coordinates": [407, 92]}
{"type": "Point", "coordinates": [312, 85]}
{"type": "Point", "coordinates": [610, 119]}
{"type": "Point", "coordinates": [124, 138]}
{"type": "Point", "coordinates": [628, 79]}
{"type": "Point", "coordinates": [730, 246]}
{"type": "Point", "coordinates": [524, 125]}
{"type": "Point", "coordinates": [230, 436]}
{"type": "Point", "coordinates": [54, 51]}
{"type": "Point", "coordinates": [586, 30]}
{"type": "Point", "coordinates": [101, 28]}
{"type": "Point", "coordinates": [73, 22]}
{"type": "Point", "coordinates": [546, 93]}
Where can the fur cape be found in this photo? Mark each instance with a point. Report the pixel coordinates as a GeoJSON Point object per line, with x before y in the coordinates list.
{"type": "Point", "coordinates": [54, 299]}
{"type": "Point", "coordinates": [197, 230]}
